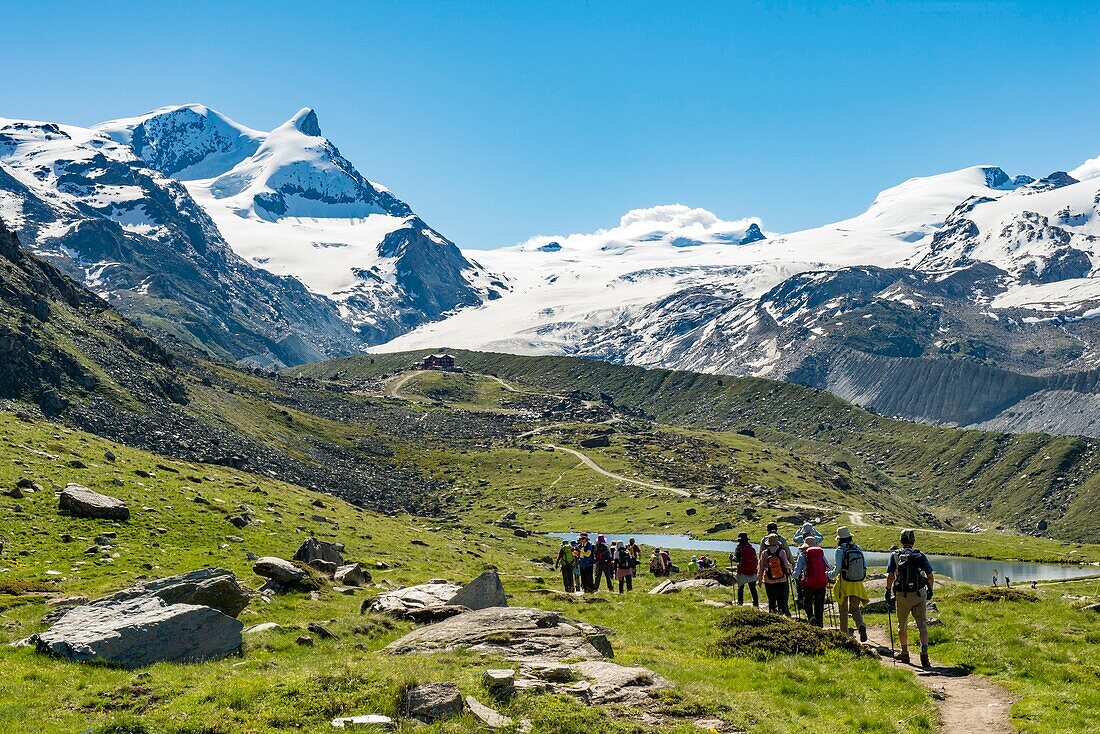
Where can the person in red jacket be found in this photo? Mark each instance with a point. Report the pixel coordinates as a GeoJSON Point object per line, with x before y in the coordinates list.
{"type": "Point", "coordinates": [812, 573]}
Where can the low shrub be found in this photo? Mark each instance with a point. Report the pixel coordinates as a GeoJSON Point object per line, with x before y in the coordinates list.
{"type": "Point", "coordinates": [759, 635]}
{"type": "Point", "coordinates": [989, 595]}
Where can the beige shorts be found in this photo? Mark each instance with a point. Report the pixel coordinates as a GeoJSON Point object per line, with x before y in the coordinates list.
{"type": "Point", "coordinates": [915, 603]}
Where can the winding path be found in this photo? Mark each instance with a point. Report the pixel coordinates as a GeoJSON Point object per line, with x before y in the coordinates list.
{"type": "Point", "coordinates": [968, 704]}
{"type": "Point", "coordinates": [617, 477]}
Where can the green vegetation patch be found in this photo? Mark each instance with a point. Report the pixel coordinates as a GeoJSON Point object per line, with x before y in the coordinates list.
{"type": "Point", "coordinates": [761, 636]}
{"type": "Point", "coordinates": [996, 596]}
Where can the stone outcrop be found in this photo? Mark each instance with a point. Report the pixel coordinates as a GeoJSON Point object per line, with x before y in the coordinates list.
{"type": "Point", "coordinates": [490, 717]}
{"type": "Point", "coordinates": [605, 683]}
{"type": "Point", "coordinates": [483, 592]}
{"type": "Point", "coordinates": [141, 631]}
{"type": "Point", "coordinates": [80, 501]}
{"type": "Point", "coordinates": [399, 601]}
{"type": "Point", "coordinates": [211, 587]}
{"type": "Point", "coordinates": [672, 587]}
{"type": "Point", "coordinates": [514, 633]}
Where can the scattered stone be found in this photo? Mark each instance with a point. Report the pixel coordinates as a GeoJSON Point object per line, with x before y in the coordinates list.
{"type": "Point", "coordinates": [141, 632]}
{"type": "Point", "coordinates": [366, 721]}
{"type": "Point", "coordinates": [399, 601]}
{"type": "Point", "coordinates": [29, 485]}
{"type": "Point", "coordinates": [596, 442]}
{"type": "Point", "coordinates": [82, 502]}
{"type": "Point", "coordinates": [511, 632]}
{"type": "Point", "coordinates": [262, 627]}
{"type": "Point", "coordinates": [431, 702]}
{"type": "Point", "coordinates": [304, 641]}
{"type": "Point", "coordinates": [15, 493]}
{"type": "Point", "coordinates": [313, 549]}
{"type": "Point", "coordinates": [489, 717]}
{"type": "Point", "coordinates": [549, 670]}
{"type": "Point", "coordinates": [320, 630]}
{"type": "Point", "coordinates": [483, 592]}
{"type": "Point", "coordinates": [611, 683]}
{"type": "Point", "coordinates": [326, 567]}
{"type": "Point", "coordinates": [234, 538]}
{"type": "Point", "coordinates": [240, 521]}
{"type": "Point", "coordinates": [499, 681]}
{"type": "Point", "coordinates": [352, 575]}
{"type": "Point", "coordinates": [109, 455]}
{"type": "Point", "coordinates": [278, 570]}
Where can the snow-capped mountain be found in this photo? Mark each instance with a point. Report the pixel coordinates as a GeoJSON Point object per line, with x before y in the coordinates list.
{"type": "Point", "coordinates": [291, 204]}
{"type": "Point", "coordinates": [965, 298]}
{"type": "Point", "coordinates": [268, 247]}
{"type": "Point", "coordinates": [135, 236]}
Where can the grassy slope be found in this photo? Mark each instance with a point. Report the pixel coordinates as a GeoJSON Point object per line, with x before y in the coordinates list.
{"type": "Point", "coordinates": [1009, 477]}
{"type": "Point", "coordinates": [278, 685]}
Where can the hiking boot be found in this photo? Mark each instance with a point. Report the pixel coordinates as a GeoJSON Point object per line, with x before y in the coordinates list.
{"type": "Point", "coordinates": [903, 657]}
{"type": "Point", "coordinates": [924, 661]}
{"type": "Point", "coordinates": [862, 633]}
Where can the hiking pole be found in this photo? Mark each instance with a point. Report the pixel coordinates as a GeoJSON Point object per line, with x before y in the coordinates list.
{"type": "Point", "coordinates": [890, 625]}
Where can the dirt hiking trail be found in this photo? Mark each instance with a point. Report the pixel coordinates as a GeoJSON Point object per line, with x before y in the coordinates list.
{"type": "Point", "coordinates": [968, 704]}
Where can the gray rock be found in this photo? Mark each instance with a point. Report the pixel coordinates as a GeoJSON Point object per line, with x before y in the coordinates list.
{"type": "Point", "coordinates": [514, 633]}
{"type": "Point", "coordinates": [433, 701]}
{"type": "Point", "coordinates": [491, 718]}
{"type": "Point", "coordinates": [82, 502]}
{"type": "Point", "coordinates": [320, 630]}
{"type": "Point", "coordinates": [483, 592]}
{"type": "Point", "coordinates": [611, 683]}
{"type": "Point", "coordinates": [326, 567]}
{"type": "Point", "coordinates": [262, 627]}
{"type": "Point", "coordinates": [549, 670]}
{"type": "Point", "coordinates": [669, 587]}
{"type": "Point", "coordinates": [400, 601]}
{"type": "Point", "coordinates": [374, 722]}
{"type": "Point", "coordinates": [313, 549]}
{"type": "Point", "coordinates": [352, 575]}
{"type": "Point", "coordinates": [278, 570]}
{"type": "Point", "coordinates": [141, 631]}
{"type": "Point", "coordinates": [211, 587]}
{"type": "Point", "coordinates": [305, 641]}
{"type": "Point", "coordinates": [499, 680]}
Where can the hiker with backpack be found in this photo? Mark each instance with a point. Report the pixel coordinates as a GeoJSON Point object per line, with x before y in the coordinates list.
{"type": "Point", "coordinates": [909, 582]}
{"type": "Point", "coordinates": [848, 574]}
{"type": "Point", "coordinates": [806, 532]}
{"type": "Point", "coordinates": [624, 567]}
{"type": "Point", "coordinates": [774, 573]}
{"type": "Point", "coordinates": [812, 572]}
{"type": "Point", "coordinates": [586, 554]}
{"type": "Point", "coordinates": [605, 563]}
{"type": "Point", "coordinates": [635, 552]}
{"type": "Point", "coordinates": [773, 529]}
{"type": "Point", "coordinates": [744, 560]}
{"type": "Point", "coordinates": [565, 562]}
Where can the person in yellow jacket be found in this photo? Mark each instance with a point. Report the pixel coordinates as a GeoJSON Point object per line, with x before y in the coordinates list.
{"type": "Point", "coordinates": [848, 574]}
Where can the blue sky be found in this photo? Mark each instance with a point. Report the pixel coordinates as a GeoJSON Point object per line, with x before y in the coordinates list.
{"type": "Point", "coordinates": [499, 121]}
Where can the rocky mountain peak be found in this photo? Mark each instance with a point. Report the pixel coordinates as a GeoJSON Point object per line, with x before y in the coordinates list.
{"type": "Point", "coordinates": [305, 122]}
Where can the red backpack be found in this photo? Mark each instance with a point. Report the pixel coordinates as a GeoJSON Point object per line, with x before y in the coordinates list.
{"type": "Point", "coordinates": [815, 576]}
{"type": "Point", "coordinates": [747, 565]}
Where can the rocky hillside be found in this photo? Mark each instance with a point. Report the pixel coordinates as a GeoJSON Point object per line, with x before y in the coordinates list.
{"type": "Point", "coordinates": [1037, 483]}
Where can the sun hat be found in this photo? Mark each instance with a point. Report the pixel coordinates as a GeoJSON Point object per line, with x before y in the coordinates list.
{"type": "Point", "coordinates": [743, 536]}
{"type": "Point", "coordinates": [812, 541]}
{"type": "Point", "coordinates": [843, 533]}
{"type": "Point", "coordinates": [773, 539]}
{"type": "Point", "coordinates": [772, 527]}
{"type": "Point", "coordinates": [600, 538]}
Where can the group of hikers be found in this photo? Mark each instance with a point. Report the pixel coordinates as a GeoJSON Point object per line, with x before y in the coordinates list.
{"type": "Point", "coordinates": [807, 574]}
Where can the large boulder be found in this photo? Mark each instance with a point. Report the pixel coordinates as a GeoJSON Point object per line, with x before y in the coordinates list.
{"type": "Point", "coordinates": [483, 592]}
{"type": "Point", "coordinates": [279, 570]}
{"type": "Point", "coordinates": [319, 550]}
{"type": "Point", "coordinates": [400, 601]}
{"type": "Point", "coordinates": [210, 587]}
{"type": "Point", "coordinates": [516, 633]}
{"type": "Point", "coordinates": [433, 701]}
{"type": "Point", "coordinates": [141, 631]}
{"type": "Point", "coordinates": [80, 501]}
